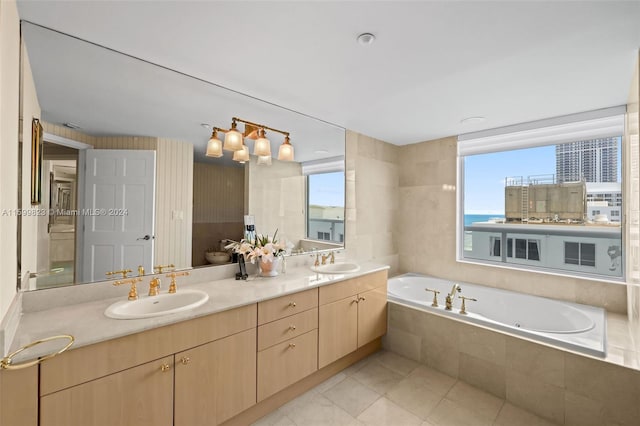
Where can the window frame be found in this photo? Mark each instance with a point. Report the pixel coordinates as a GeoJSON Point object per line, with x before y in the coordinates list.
{"type": "Point", "coordinates": [614, 113]}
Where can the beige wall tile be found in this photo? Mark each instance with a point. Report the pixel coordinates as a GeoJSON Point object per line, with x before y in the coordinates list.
{"type": "Point", "coordinates": [441, 357]}
{"type": "Point", "coordinates": [483, 344]}
{"type": "Point", "coordinates": [582, 411]}
{"type": "Point", "coordinates": [616, 388]}
{"type": "Point", "coordinates": [540, 398]}
{"type": "Point", "coordinates": [483, 374]}
{"type": "Point", "coordinates": [544, 363]}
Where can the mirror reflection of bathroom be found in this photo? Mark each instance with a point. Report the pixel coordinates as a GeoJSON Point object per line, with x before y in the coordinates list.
{"type": "Point", "coordinates": [56, 245]}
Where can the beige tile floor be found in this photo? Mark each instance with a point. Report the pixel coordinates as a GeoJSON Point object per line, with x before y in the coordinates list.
{"type": "Point", "coordinates": [390, 390]}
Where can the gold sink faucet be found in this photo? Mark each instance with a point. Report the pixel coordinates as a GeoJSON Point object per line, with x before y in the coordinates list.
{"type": "Point", "coordinates": [140, 270]}
{"type": "Point", "coordinates": [173, 275]}
{"type": "Point", "coordinates": [133, 292]}
{"type": "Point", "coordinates": [124, 273]}
{"type": "Point", "coordinates": [154, 287]}
{"type": "Point", "coordinates": [324, 259]}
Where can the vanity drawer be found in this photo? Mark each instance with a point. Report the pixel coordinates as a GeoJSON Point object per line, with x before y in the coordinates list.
{"type": "Point", "coordinates": [286, 363]}
{"type": "Point", "coordinates": [281, 307]}
{"type": "Point", "coordinates": [287, 328]}
{"type": "Point", "coordinates": [338, 291]}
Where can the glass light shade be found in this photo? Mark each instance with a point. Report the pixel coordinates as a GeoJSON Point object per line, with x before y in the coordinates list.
{"type": "Point", "coordinates": [285, 153]}
{"type": "Point", "coordinates": [214, 147]}
{"type": "Point", "coordinates": [262, 147]}
{"type": "Point", "coordinates": [266, 160]}
{"type": "Point", "coordinates": [233, 140]}
{"type": "Point", "coordinates": [241, 155]}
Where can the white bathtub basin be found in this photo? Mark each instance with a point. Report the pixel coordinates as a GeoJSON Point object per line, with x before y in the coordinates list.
{"type": "Point", "coordinates": [337, 268]}
{"type": "Point", "coordinates": [153, 306]}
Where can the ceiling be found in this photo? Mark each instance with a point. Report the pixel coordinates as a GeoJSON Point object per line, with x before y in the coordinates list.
{"type": "Point", "coordinates": [432, 64]}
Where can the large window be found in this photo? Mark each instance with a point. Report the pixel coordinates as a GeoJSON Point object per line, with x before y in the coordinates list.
{"type": "Point", "coordinates": [554, 205]}
{"type": "Point", "coordinates": [325, 209]}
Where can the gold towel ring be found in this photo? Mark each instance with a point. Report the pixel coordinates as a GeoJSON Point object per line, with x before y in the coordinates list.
{"type": "Point", "coordinates": [6, 362]}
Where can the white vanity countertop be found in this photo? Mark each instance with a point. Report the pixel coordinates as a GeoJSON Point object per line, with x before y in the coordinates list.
{"type": "Point", "coordinates": [87, 323]}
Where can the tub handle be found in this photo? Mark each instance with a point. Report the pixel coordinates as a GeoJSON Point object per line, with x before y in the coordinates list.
{"type": "Point", "coordinates": [435, 297]}
{"type": "Point", "coordinates": [463, 308]}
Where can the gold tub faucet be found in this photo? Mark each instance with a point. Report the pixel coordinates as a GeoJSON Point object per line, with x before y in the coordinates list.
{"type": "Point", "coordinates": [451, 295]}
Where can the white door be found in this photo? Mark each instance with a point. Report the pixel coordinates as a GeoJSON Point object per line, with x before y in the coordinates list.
{"type": "Point", "coordinates": [118, 211]}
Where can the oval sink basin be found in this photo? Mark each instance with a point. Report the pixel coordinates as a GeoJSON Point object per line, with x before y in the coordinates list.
{"type": "Point", "coordinates": [154, 306]}
{"type": "Point", "coordinates": [337, 268]}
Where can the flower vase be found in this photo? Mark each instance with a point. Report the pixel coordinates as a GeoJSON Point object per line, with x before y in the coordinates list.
{"type": "Point", "coordinates": [269, 269]}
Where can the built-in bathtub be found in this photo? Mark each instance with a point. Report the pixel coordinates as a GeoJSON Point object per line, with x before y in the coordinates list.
{"type": "Point", "coordinates": [579, 328]}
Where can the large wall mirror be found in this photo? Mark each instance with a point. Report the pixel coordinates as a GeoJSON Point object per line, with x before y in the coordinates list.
{"type": "Point", "coordinates": [125, 180]}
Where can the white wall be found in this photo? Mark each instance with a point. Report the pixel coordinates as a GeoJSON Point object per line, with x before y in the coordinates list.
{"type": "Point", "coordinates": [30, 110]}
{"type": "Point", "coordinates": [9, 104]}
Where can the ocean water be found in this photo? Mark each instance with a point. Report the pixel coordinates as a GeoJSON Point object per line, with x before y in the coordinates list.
{"type": "Point", "coordinates": [470, 218]}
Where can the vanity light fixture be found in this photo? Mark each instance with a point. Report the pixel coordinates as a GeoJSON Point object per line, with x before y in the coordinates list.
{"type": "Point", "coordinates": [285, 153]}
{"type": "Point", "coordinates": [233, 138]}
{"type": "Point", "coordinates": [242, 155]}
{"type": "Point", "coordinates": [234, 141]}
{"type": "Point", "coordinates": [262, 147]}
{"type": "Point", "coordinates": [214, 146]}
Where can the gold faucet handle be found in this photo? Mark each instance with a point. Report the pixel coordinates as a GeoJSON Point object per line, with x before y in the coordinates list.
{"type": "Point", "coordinates": [124, 273]}
{"type": "Point", "coordinates": [435, 296]}
{"type": "Point", "coordinates": [463, 308]}
{"type": "Point", "coordinates": [133, 291]}
{"type": "Point", "coordinates": [173, 275]}
{"type": "Point", "coordinates": [159, 268]}
{"type": "Point", "coordinates": [324, 258]}
{"type": "Point", "coordinates": [154, 287]}
{"type": "Point", "coordinates": [317, 262]}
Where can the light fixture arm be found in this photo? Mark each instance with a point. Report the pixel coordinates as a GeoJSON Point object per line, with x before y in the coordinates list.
{"type": "Point", "coordinates": [261, 126]}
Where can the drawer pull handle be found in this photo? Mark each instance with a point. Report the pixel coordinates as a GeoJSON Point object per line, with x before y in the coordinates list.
{"type": "Point", "coordinates": [292, 345]}
{"type": "Point", "coordinates": [165, 367]}
{"type": "Point", "coordinates": [292, 327]}
{"type": "Point", "coordinates": [356, 300]}
{"type": "Point", "coordinates": [361, 299]}
{"type": "Point", "coordinates": [185, 360]}
{"type": "Point", "coordinates": [292, 304]}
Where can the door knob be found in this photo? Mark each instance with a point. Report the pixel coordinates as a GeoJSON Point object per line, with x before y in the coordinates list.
{"type": "Point", "coordinates": [146, 238]}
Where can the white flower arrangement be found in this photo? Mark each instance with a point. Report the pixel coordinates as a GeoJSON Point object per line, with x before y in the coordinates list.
{"type": "Point", "coordinates": [263, 248]}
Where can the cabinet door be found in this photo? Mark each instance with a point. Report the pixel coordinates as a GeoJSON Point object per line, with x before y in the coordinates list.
{"type": "Point", "coordinates": [139, 396]}
{"type": "Point", "coordinates": [216, 381]}
{"type": "Point", "coordinates": [286, 363]}
{"type": "Point", "coordinates": [372, 315]}
{"type": "Point", "coordinates": [19, 397]}
{"type": "Point", "coordinates": [337, 330]}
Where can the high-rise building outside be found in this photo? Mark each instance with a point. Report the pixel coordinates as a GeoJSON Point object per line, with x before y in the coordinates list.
{"type": "Point", "coordinates": [591, 161]}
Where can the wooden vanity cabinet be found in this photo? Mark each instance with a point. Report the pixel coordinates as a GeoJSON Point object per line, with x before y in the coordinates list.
{"type": "Point", "coordinates": [205, 366]}
{"type": "Point", "coordinates": [142, 396]}
{"type": "Point", "coordinates": [351, 314]}
{"type": "Point", "coordinates": [216, 381]}
{"type": "Point", "coordinates": [19, 397]}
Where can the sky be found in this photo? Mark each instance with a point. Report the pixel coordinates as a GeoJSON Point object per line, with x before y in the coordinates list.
{"type": "Point", "coordinates": [484, 175]}
{"type": "Point", "coordinates": [327, 189]}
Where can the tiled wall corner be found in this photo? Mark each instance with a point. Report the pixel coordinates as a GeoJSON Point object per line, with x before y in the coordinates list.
{"type": "Point", "coordinates": [372, 199]}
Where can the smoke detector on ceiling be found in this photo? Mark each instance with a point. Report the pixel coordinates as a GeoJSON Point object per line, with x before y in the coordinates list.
{"type": "Point", "coordinates": [366, 38]}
